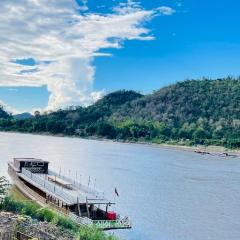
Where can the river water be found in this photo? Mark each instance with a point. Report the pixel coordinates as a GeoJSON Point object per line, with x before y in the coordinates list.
{"type": "Point", "coordinates": [168, 194]}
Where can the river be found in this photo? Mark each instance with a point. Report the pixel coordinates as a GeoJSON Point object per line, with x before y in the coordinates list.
{"type": "Point", "coordinates": [169, 194]}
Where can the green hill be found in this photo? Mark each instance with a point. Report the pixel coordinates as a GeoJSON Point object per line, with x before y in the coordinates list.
{"type": "Point", "coordinates": [206, 111]}
{"type": "Point", "coordinates": [189, 101]}
{"type": "Point", "coordinates": [3, 114]}
{"type": "Point", "coordinates": [189, 112]}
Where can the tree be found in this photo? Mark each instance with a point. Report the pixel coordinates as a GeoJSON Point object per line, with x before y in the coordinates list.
{"type": "Point", "coordinates": [37, 113]}
{"type": "Point", "coordinates": [4, 185]}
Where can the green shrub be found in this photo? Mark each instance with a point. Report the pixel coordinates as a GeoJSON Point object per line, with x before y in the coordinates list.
{"type": "Point", "coordinates": [91, 233]}
{"type": "Point", "coordinates": [66, 223]}
{"type": "Point", "coordinates": [12, 206]}
{"type": "Point", "coordinates": [44, 214]}
{"type": "Point", "coordinates": [29, 209]}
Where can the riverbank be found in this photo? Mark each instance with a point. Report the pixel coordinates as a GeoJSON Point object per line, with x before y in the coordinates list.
{"type": "Point", "coordinates": [212, 149]}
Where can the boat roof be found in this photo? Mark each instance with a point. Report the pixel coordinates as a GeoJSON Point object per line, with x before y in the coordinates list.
{"type": "Point", "coordinates": [30, 160]}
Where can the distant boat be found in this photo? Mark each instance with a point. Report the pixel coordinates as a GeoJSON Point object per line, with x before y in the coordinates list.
{"type": "Point", "coordinates": [224, 154]}
{"type": "Point", "coordinates": [83, 204]}
{"type": "Point", "coordinates": [201, 152]}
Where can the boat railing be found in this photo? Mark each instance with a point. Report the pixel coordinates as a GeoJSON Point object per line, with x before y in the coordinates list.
{"type": "Point", "coordinates": [53, 188]}
{"type": "Point", "coordinates": [80, 220]}
{"type": "Point", "coordinates": [111, 224]}
{"type": "Point", "coordinates": [86, 189]}
{"type": "Point", "coordinates": [102, 224]}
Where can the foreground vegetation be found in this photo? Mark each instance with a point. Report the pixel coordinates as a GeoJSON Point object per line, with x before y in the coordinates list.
{"type": "Point", "coordinates": [33, 210]}
{"type": "Point", "coordinates": [191, 112]}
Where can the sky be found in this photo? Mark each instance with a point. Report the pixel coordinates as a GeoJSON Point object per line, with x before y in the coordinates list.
{"type": "Point", "coordinates": [59, 53]}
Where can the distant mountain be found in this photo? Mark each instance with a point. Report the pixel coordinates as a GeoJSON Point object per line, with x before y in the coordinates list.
{"type": "Point", "coordinates": [22, 116]}
{"type": "Point", "coordinates": [189, 112]}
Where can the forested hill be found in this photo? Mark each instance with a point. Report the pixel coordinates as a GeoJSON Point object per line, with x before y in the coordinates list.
{"type": "Point", "coordinates": [189, 112]}
{"type": "Point", "coordinates": [188, 102]}
{"type": "Point", "coordinates": [4, 114]}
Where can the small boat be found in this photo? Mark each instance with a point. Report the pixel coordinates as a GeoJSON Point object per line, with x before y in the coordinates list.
{"type": "Point", "coordinates": [83, 204]}
{"type": "Point", "coordinates": [226, 154]}
{"type": "Point", "coordinates": [201, 152]}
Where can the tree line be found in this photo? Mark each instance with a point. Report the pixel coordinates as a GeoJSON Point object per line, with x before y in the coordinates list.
{"type": "Point", "coordinates": [189, 112]}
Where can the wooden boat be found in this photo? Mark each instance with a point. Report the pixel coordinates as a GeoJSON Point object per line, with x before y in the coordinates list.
{"type": "Point", "coordinates": [83, 204]}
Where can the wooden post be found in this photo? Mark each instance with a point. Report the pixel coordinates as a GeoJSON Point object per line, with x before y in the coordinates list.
{"type": "Point", "coordinates": [79, 209]}
{"type": "Point", "coordinates": [95, 183]}
{"type": "Point", "coordinates": [75, 180]}
{"type": "Point", "coordinates": [55, 183]}
{"type": "Point", "coordinates": [89, 180]}
{"type": "Point", "coordinates": [87, 208]}
{"type": "Point", "coordinates": [106, 207]}
{"type": "Point", "coordinates": [67, 208]}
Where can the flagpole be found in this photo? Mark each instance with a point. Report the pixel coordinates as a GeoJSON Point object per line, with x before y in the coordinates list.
{"type": "Point", "coordinates": [114, 202]}
{"type": "Point", "coordinates": [115, 193]}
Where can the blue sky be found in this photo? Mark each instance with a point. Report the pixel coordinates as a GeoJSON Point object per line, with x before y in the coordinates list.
{"type": "Point", "coordinates": [200, 39]}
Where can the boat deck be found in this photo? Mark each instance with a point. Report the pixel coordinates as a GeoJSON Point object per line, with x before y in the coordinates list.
{"type": "Point", "coordinates": [63, 189]}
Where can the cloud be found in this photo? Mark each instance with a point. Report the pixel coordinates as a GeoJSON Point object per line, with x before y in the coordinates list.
{"type": "Point", "coordinates": [61, 39]}
{"type": "Point", "coordinates": [12, 89]}
{"type": "Point", "coordinates": [166, 10]}
{"type": "Point", "coordinates": [8, 108]}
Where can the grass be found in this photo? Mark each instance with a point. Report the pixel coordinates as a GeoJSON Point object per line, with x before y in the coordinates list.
{"type": "Point", "coordinates": [16, 194]}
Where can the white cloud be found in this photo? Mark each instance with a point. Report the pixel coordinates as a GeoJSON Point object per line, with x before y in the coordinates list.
{"type": "Point", "coordinates": [12, 89]}
{"type": "Point", "coordinates": [60, 31]}
{"type": "Point", "coordinates": [8, 108]}
{"type": "Point", "coordinates": [166, 10]}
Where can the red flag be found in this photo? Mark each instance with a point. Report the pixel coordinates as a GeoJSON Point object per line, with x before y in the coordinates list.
{"type": "Point", "coordinates": [116, 192]}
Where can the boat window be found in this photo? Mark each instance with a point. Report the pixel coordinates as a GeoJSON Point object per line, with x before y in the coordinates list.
{"type": "Point", "coordinates": [27, 164]}
{"type": "Point", "coordinates": [40, 164]}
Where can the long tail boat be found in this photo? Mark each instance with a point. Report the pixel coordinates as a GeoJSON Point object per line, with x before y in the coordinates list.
{"type": "Point", "coordinates": [83, 204]}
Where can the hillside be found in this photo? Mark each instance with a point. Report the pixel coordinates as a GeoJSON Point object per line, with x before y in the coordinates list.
{"type": "Point", "coordinates": [188, 101]}
{"type": "Point", "coordinates": [188, 112]}
{"type": "Point", "coordinates": [206, 111]}
{"type": "Point", "coordinates": [3, 114]}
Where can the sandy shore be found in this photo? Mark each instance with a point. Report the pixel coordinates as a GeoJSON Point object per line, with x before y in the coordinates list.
{"type": "Point", "coordinates": [210, 149]}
